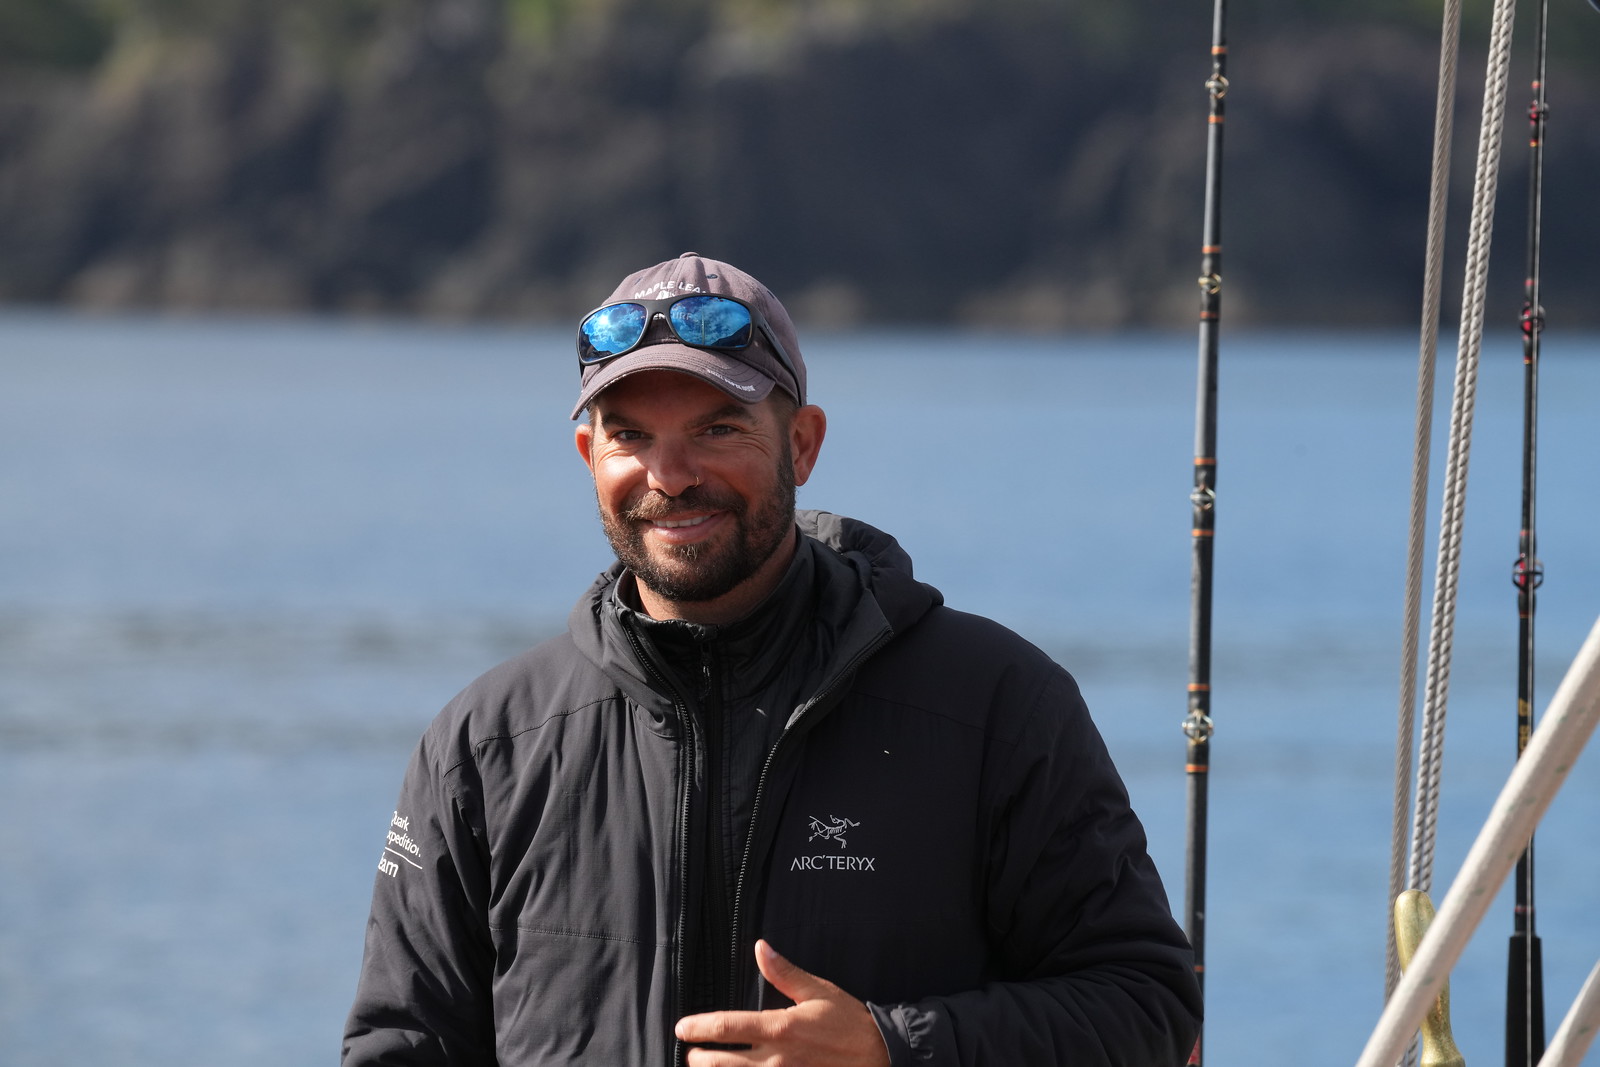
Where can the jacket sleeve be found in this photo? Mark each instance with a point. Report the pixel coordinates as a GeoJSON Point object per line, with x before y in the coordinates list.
{"type": "Point", "coordinates": [424, 993]}
{"type": "Point", "coordinates": [1093, 971]}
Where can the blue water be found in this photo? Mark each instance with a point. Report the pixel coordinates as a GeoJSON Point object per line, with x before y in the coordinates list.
{"type": "Point", "coordinates": [243, 562]}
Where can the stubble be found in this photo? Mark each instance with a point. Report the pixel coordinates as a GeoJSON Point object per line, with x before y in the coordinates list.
{"type": "Point", "coordinates": [704, 571]}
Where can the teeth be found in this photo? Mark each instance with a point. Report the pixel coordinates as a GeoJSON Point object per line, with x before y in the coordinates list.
{"type": "Point", "coordinates": [668, 524]}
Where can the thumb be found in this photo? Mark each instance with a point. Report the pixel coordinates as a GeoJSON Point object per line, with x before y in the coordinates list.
{"type": "Point", "coordinates": [792, 981]}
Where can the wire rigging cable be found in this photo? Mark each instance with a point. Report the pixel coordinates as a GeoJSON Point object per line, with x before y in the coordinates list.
{"type": "Point", "coordinates": [1427, 358]}
{"type": "Point", "coordinates": [1425, 817]}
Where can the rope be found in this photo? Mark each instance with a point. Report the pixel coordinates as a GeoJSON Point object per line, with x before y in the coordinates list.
{"type": "Point", "coordinates": [1441, 637]}
{"type": "Point", "coordinates": [1537, 777]}
{"type": "Point", "coordinates": [1577, 1030]}
{"type": "Point", "coordinates": [1449, 46]}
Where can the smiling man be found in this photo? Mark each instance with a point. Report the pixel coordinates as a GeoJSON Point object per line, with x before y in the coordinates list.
{"type": "Point", "coordinates": [768, 800]}
{"type": "Point", "coordinates": [697, 491]}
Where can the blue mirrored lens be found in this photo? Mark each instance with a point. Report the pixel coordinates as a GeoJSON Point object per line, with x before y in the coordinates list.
{"type": "Point", "coordinates": [611, 330]}
{"type": "Point", "coordinates": [711, 321]}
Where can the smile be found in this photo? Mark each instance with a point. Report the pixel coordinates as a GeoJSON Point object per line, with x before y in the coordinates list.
{"type": "Point", "coordinates": [671, 524]}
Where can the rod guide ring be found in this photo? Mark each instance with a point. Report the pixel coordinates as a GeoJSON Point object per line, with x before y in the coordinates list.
{"type": "Point", "coordinates": [1198, 727]}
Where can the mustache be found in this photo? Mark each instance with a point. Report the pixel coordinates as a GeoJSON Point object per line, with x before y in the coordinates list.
{"type": "Point", "coordinates": [656, 506]}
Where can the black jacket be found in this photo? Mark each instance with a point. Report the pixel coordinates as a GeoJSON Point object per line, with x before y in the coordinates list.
{"type": "Point", "coordinates": [580, 856]}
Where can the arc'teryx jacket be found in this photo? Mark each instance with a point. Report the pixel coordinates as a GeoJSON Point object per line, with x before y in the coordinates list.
{"type": "Point", "coordinates": [938, 829]}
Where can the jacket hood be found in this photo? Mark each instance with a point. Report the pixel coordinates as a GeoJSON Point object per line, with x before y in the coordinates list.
{"type": "Point", "coordinates": [882, 565]}
{"type": "Point", "coordinates": [888, 591]}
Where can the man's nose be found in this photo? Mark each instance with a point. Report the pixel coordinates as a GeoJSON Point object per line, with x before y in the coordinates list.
{"type": "Point", "coordinates": [670, 471]}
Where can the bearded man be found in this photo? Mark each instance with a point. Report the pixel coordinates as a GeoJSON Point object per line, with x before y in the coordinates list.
{"type": "Point", "coordinates": [768, 800]}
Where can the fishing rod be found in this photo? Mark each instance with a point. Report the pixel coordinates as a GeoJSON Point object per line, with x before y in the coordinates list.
{"type": "Point", "coordinates": [1524, 966]}
{"type": "Point", "coordinates": [1197, 725]}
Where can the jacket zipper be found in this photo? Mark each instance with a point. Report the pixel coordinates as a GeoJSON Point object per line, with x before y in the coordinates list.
{"type": "Point", "coordinates": [761, 788]}
{"type": "Point", "coordinates": [681, 707]}
{"type": "Point", "coordinates": [714, 898]}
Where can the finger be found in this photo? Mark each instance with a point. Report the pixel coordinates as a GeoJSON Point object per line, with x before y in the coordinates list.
{"type": "Point", "coordinates": [707, 1057]}
{"type": "Point", "coordinates": [793, 982]}
{"type": "Point", "coordinates": [722, 1028]}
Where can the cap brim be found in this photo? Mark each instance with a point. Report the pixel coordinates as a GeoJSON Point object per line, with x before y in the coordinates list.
{"type": "Point", "coordinates": [736, 378]}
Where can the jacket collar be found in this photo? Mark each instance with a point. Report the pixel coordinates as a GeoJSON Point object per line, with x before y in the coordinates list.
{"type": "Point", "coordinates": [851, 584]}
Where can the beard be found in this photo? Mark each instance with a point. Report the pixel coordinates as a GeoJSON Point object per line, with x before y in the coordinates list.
{"type": "Point", "coordinates": [706, 570]}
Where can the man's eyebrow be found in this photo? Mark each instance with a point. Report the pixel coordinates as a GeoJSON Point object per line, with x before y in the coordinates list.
{"type": "Point", "coordinates": [733, 411]}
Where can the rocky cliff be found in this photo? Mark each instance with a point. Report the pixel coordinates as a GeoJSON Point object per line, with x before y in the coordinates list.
{"type": "Point", "coordinates": [986, 164]}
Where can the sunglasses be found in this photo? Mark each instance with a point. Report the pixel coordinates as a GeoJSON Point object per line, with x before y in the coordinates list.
{"type": "Point", "coordinates": [720, 323]}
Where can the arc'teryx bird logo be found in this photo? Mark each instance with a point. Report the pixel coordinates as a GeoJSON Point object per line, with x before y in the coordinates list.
{"type": "Point", "coordinates": [832, 830]}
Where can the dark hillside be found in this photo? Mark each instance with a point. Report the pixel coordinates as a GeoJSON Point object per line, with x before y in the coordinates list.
{"type": "Point", "coordinates": [1012, 162]}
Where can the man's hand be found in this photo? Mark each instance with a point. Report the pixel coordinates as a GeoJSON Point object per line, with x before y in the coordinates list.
{"type": "Point", "coordinates": [827, 1027]}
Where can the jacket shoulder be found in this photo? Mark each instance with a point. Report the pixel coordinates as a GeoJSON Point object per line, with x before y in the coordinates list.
{"type": "Point", "coordinates": [973, 669]}
{"type": "Point", "coordinates": [524, 693]}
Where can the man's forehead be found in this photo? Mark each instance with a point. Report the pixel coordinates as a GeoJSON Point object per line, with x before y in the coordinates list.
{"type": "Point", "coordinates": [666, 394]}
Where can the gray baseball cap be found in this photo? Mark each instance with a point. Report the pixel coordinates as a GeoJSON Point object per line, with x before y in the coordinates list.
{"type": "Point", "coordinates": [746, 374]}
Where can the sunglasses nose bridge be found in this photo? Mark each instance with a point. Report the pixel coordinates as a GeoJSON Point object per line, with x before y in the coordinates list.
{"type": "Point", "coordinates": [657, 327]}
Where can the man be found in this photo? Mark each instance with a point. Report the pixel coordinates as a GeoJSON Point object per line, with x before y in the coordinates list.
{"type": "Point", "coordinates": [767, 800]}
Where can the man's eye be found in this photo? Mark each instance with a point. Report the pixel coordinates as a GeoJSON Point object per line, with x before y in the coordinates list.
{"type": "Point", "coordinates": [721, 430]}
{"type": "Point", "coordinates": [627, 436]}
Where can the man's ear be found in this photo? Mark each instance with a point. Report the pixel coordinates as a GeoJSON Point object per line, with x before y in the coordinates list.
{"type": "Point", "coordinates": [806, 431]}
{"type": "Point", "coordinates": [584, 439]}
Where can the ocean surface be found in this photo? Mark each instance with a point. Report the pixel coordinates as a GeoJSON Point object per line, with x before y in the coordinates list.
{"type": "Point", "coordinates": [244, 561]}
